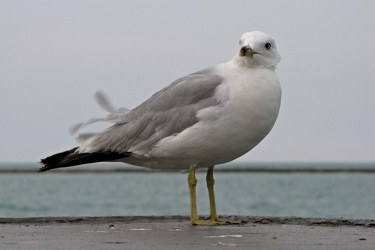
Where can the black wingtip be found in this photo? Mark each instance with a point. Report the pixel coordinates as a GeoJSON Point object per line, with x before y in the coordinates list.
{"type": "Point", "coordinates": [73, 158]}
{"type": "Point", "coordinates": [43, 168]}
{"type": "Point", "coordinates": [56, 160]}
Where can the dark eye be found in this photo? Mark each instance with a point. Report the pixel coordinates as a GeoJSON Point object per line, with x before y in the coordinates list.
{"type": "Point", "coordinates": [268, 46]}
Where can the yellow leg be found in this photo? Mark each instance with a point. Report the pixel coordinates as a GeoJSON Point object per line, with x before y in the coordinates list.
{"type": "Point", "coordinates": [192, 181]}
{"type": "Point", "coordinates": [210, 181]}
{"type": "Point", "coordinates": [194, 218]}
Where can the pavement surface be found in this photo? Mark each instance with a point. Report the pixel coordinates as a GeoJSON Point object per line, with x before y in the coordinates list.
{"type": "Point", "coordinates": [175, 232]}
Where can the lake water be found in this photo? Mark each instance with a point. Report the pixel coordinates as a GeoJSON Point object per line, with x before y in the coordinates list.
{"type": "Point", "coordinates": [331, 195]}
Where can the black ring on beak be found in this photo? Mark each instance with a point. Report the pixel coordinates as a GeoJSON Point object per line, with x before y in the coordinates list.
{"type": "Point", "coordinates": [243, 50]}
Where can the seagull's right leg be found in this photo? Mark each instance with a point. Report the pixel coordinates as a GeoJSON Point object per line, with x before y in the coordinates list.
{"type": "Point", "coordinates": [192, 181]}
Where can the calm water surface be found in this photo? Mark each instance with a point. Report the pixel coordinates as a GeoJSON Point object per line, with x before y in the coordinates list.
{"type": "Point", "coordinates": [332, 195]}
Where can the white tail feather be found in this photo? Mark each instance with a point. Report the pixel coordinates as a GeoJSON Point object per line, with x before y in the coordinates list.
{"type": "Point", "coordinates": [115, 116]}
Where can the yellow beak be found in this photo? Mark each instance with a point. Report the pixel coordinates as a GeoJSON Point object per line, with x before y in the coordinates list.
{"type": "Point", "coordinates": [247, 51]}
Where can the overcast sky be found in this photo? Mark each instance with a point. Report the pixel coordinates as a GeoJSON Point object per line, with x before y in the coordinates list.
{"type": "Point", "coordinates": [55, 55]}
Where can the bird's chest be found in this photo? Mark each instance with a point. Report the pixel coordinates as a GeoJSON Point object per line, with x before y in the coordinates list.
{"type": "Point", "coordinates": [253, 102]}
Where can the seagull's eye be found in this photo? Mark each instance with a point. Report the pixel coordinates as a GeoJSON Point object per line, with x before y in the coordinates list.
{"type": "Point", "coordinates": [268, 46]}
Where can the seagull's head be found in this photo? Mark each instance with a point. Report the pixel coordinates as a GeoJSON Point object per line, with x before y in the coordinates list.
{"type": "Point", "coordinates": [259, 48]}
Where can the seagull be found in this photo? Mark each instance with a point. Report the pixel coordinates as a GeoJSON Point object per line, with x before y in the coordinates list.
{"type": "Point", "coordinates": [209, 117]}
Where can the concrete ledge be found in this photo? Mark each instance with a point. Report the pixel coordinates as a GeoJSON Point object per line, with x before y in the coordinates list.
{"type": "Point", "coordinates": [175, 232]}
{"type": "Point", "coordinates": [178, 218]}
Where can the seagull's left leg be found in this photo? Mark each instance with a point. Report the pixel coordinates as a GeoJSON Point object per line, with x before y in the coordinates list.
{"type": "Point", "coordinates": [211, 195]}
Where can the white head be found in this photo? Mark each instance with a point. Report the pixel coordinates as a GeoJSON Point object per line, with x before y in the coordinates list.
{"type": "Point", "coordinates": [258, 48]}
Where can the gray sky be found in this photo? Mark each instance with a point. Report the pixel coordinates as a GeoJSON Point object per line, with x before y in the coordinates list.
{"type": "Point", "coordinates": [55, 55]}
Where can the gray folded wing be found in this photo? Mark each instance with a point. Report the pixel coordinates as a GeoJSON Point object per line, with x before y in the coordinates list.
{"type": "Point", "coordinates": [167, 112]}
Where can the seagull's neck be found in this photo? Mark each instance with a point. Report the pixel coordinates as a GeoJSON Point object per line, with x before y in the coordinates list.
{"type": "Point", "coordinates": [246, 62]}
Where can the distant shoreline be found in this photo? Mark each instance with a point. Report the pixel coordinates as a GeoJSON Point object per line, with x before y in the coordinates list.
{"type": "Point", "coordinates": [231, 167]}
{"type": "Point", "coordinates": [217, 170]}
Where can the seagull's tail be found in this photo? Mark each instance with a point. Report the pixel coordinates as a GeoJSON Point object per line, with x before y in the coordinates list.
{"type": "Point", "coordinates": [73, 158]}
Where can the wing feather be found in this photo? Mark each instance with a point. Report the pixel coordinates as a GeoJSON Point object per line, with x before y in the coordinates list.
{"type": "Point", "coordinates": [167, 112]}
